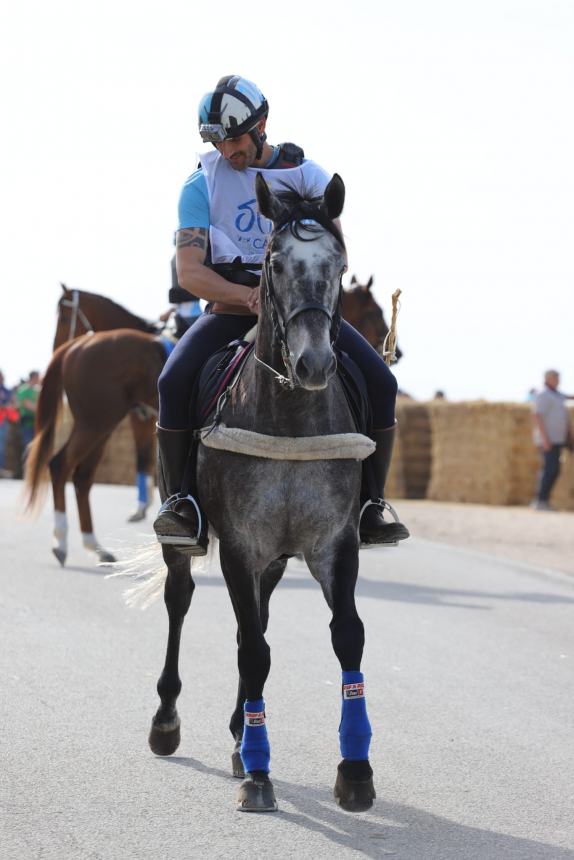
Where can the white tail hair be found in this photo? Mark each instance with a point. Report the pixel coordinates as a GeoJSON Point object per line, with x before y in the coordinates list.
{"type": "Point", "coordinates": [148, 572]}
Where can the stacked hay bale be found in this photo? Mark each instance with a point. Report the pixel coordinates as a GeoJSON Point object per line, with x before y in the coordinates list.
{"type": "Point", "coordinates": [411, 466]}
{"type": "Point", "coordinates": [118, 463]}
{"type": "Point", "coordinates": [483, 453]}
{"type": "Point", "coordinates": [471, 444]}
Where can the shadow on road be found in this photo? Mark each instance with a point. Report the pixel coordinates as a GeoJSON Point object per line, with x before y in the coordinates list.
{"type": "Point", "coordinates": [391, 828]}
{"type": "Point", "coordinates": [412, 593]}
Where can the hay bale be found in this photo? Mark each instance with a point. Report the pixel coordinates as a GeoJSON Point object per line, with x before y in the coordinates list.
{"type": "Point", "coordinates": [118, 463]}
{"type": "Point", "coordinates": [411, 465]}
{"type": "Point", "coordinates": [484, 453]}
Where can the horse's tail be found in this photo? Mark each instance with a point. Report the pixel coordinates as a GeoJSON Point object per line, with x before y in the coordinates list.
{"type": "Point", "coordinates": [148, 573]}
{"type": "Point", "coordinates": [47, 415]}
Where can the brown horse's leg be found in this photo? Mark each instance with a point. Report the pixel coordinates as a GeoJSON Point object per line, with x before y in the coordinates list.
{"type": "Point", "coordinates": [62, 465]}
{"type": "Point", "coordinates": [144, 434]}
{"type": "Point", "coordinates": [83, 479]}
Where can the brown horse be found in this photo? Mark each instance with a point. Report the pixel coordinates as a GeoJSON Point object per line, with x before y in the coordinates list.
{"type": "Point", "coordinates": [362, 311]}
{"type": "Point", "coordinates": [81, 312]}
{"type": "Point", "coordinates": [105, 376]}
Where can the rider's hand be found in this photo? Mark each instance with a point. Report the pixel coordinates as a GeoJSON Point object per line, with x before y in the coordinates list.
{"type": "Point", "coordinates": [253, 300]}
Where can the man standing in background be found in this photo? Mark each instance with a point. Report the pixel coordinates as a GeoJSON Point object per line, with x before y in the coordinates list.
{"type": "Point", "coordinates": [552, 432]}
{"type": "Point", "coordinates": [5, 404]}
{"type": "Point", "coordinates": [26, 399]}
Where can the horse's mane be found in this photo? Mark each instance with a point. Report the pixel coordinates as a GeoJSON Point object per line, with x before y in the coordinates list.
{"type": "Point", "coordinates": [301, 208]}
{"type": "Point", "coordinates": [149, 325]}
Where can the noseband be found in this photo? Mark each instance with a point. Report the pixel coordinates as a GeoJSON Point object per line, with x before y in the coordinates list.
{"type": "Point", "coordinates": [280, 323]}
{"type": "Point", "coordinates": [74, 304]}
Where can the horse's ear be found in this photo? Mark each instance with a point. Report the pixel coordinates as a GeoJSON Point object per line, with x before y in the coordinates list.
{"type": "Point", "coordinates": [354, 279]}
{"type": "Point", "coordinates": [64, 288]}
{"type": "Point", "coordinates": [334, 197]}
{"type": "Point", "coordinates": [269, 204]}
{"type": "Point", "coordinates": [369, 283]}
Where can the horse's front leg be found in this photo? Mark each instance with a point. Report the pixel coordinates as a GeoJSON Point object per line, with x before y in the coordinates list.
{"type": "Point", "coordinates": [254, 660]}
{"type": "Point", "coordinates": [269, 580]}
{"type": "Point", "coordinates": [336, 569]}
{"type": "Point", "coordinates": [164, 736]}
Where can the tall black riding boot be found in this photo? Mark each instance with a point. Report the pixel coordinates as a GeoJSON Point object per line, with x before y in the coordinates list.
{"type": "Point", "coordinates": [373, 528]}
{"type": "Point", "coordinates": [180, 521]}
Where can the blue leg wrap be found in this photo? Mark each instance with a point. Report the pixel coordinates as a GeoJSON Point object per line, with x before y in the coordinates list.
{"type": "Point", "coordinates": [255, 750]}
{"type": "Point", "coordinates": [355, 728]}
{"type": "Point", "coordinates": [141, 484]}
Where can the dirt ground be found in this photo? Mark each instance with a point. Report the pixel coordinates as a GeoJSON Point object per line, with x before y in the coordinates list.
{"type": "Point", "coordinates": [543, 539]}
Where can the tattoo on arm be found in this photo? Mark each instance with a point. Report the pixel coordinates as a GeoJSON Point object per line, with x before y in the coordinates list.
{"type": "Point", "coordinates": [194, 237]}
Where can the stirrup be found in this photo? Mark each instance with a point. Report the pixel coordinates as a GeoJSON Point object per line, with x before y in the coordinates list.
{"type": "Point", "coordinates": [380, 503]}
{"type": "Point", "coordinates": [170, 506]}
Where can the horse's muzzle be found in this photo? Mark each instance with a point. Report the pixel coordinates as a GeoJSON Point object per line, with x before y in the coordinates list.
{"type": "Point", "coordinates": [314, 368]}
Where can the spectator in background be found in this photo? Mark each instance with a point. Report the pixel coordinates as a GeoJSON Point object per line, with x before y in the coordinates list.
{"type": "Point", "coordinates": [5, 410]}
{"type": "Point", "coordinates": [26, 399]}
{"type": "Point", "coordinates": [552, 433]}
{"type": "Point", "coordinates": [439, 395]}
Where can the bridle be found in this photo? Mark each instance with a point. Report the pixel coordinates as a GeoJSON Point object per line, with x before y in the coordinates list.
{"type": "Point", "coordinates": [280, 323]}
{"type": "Point", "coordinates": [77, 312]}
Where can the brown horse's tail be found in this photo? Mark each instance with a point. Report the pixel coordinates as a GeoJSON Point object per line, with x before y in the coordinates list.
{"type": "Point", "coordinates": [42, 445]}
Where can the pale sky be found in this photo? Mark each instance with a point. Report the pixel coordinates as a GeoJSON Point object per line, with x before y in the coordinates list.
{"type": "Point", "coordinates": [451, 124]}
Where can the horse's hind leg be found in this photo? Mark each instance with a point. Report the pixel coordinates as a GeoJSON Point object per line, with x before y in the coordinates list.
{"type": "Point", "coordinates": [253, 656]}
{"type": "Point", "coordinates": [269, 579]}
{"type": "Point", "coordinates": [83, 478]}
{"type": "Point", "coordinates": [164, 736]}
{"type": "Point", "coordinates": [143, 430]}
{"type": "Point", "coordinates": [62, 465]}
{"type": "Point", "coordinates": [337, 571]}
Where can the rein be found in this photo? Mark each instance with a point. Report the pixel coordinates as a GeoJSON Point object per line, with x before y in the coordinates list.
{"type": "Point", "coordinates": [280, 324]}
{"type": "Point", "coordinates": [74, 304]}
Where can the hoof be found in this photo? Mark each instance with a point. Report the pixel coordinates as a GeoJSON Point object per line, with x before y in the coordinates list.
{"type": "Point", "coordinates": [256, 794]}
{"type": "Point", "coordinates": [60, 555]}
{"type": "Point", "coordinates": [106, 557]}
{"type": "Point", "coordinates": [137, 517]}
{"type": "Point", "coordinates": [237, 768]}
{"type": "Point", "coordinates": [354, 790]}
{"type": "Point", "coordinates": [164, 739]}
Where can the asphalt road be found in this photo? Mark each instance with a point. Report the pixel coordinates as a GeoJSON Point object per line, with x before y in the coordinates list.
{"type": "Point", "coordinates": [469, 684]}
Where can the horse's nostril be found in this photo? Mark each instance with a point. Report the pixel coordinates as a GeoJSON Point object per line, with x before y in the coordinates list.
{"type": "Point", "coordinates": [315, 370]}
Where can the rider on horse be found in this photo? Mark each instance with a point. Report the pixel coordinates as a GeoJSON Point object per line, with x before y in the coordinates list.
{"type": "Point", "coordinates": [220, 247]}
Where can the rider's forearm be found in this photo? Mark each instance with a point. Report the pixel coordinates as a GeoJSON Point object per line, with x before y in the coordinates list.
{"type": "Point", "coordinates": [207, 284]}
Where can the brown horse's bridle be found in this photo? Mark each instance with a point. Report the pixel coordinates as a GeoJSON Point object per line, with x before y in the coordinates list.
{"type": "Point", "coordinates": [74, 304]}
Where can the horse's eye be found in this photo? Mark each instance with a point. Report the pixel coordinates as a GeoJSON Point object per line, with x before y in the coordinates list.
{"type": "Point", "coordinates": [277, 267]}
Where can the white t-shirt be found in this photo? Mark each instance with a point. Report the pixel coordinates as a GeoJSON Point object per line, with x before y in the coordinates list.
{"type": "Point", "coordinates": [237, 228]}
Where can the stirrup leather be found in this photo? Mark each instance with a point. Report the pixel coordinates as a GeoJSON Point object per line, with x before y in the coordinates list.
{"type": "Point", "coordinates": [171, 503]}
{"type": "Point", "coordinates": [380, 503]}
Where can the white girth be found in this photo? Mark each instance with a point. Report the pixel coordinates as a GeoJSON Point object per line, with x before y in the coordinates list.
{"type": "Point", "coordinates": [337, 446]}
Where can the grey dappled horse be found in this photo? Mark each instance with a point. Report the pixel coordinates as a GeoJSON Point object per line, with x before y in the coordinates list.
{"type": "Point", "coordinates": [265, 510]}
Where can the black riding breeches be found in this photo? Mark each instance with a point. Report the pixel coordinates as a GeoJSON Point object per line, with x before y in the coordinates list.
{"type": "Point", "coordinates": [380, 382]}
{"type": "Point", "coordinates": [177, 379]}
{"type": "Point", "coordinates": [213, 331]}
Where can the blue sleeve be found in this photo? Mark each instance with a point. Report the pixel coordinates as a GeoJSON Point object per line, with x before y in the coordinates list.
{"type": "Point", "coordinates": [193, 209]}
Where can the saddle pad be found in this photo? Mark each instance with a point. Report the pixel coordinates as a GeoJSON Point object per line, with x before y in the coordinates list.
{"type": "Point", "coordinates": [337, 446]}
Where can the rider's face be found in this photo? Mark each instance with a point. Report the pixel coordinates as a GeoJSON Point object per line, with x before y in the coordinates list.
{"type": "Point", "coordinates": [239, 152]}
